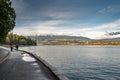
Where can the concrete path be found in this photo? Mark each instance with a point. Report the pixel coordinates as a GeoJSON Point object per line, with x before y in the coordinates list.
{"type": "Point", "coordinates": [4, 55]}
{"type": "Point", "coordinates": [21, 67]}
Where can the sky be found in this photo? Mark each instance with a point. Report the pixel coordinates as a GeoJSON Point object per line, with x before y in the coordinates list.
{"type": "Point", "coordinates": [89, 18]}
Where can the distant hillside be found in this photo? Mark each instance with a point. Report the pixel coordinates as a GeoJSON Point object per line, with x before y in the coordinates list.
{"type": "Point", "coordinates": [60, 37]}
{"type": "Point", "coordinates": [111, 39]}
{"type": "Point", "coordinates": [64, 37]}
{"type": "Point", "coordinates": [73, 40]}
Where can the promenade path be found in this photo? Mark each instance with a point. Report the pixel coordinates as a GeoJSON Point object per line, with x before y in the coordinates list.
{"type": "Point", "coordinates": [3, 55]}
{"type": "Point", "coordinates": [21, 66]}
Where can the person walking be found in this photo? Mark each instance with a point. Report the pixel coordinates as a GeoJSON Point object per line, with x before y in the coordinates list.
{"type": "Point", "coordinates": [11, 47]}
{"type": "Point", "coordinates": [16, 47]}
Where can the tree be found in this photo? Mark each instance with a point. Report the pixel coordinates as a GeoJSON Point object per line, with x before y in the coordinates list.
{"type": "Point", "coordinates": [19, 39]}
{"type": "Point", "coordinates": [7, 18]}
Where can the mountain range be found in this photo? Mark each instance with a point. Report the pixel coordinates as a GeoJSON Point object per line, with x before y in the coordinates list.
{"type": "Point", "coordinates": [76, 38]}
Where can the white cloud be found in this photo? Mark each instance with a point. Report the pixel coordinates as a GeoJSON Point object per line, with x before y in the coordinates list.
{"type": "Point", "coordinates": [113, 26]}
{"type": "Point", "coordinates": [51, 27]}
{"type": "Point", "coordinates": [106, 10]}
{"type": "Point", "coordinates": [44, 27]}
{"type": "Point", "coordinates": [100, 31]}
{"type": "Point", "coordinates": [19, 6]}
{"type": "Point", "coordinates": [61, 15]}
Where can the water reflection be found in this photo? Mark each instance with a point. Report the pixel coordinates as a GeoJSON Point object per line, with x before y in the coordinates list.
{"type": "Point", "coordinates": [37, 71]}
{"type": "Point", "coordinates": [35, 64]}
{"type": "Point", "coordinates": [27, 58]}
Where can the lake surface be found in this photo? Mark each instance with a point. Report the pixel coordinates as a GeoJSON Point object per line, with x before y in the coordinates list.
{"type": "Point", "coordinates": [82, 62]}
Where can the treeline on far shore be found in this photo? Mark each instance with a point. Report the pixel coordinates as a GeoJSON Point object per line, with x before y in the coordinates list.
{"type": "Point", "coordinates": [79, 43]}
{"type": "Point", "coordinates": [105, 43]}
{"type": "Point", "coordinates": [18, 39]}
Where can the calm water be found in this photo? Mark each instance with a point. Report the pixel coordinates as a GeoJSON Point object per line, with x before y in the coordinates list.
{"type": "Point", "coordinates": [82, 62]}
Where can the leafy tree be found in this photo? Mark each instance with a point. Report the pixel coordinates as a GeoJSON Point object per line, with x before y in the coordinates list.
{"type": "Point", "coordinates": [30, 41]}
{"type": "Point", "coordinates": [19, 39]}
{"type": "Point", "coordinates": [7, 18]}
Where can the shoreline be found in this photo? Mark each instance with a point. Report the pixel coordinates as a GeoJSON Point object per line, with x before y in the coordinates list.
{"type": "Point", "coordinates": [77, 45]}
{"type": "Point", "coordinates": [4, 45]}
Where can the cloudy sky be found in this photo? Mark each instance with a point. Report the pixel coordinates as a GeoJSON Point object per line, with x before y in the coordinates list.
{"type": "Point", "coordinates": [89, 18]}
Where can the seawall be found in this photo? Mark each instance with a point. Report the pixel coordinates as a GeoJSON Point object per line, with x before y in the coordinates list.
{"type": "Point", "coordinates": [48, 68]}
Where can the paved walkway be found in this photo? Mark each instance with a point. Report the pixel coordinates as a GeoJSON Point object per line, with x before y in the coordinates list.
{"type": "Point", "coordinates": [21, 67]}
{"type": "Point", "coordinates": [3, 55]}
